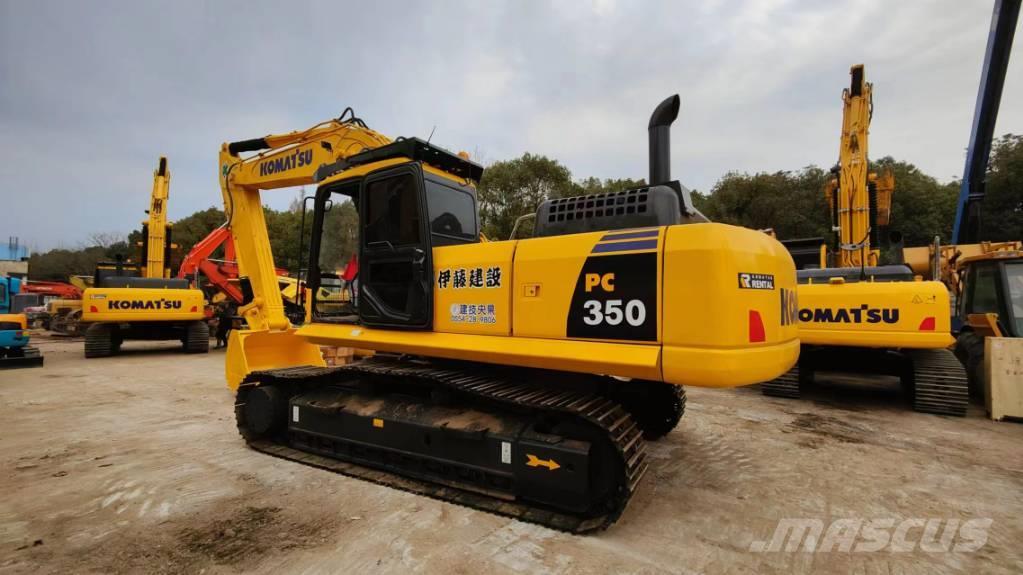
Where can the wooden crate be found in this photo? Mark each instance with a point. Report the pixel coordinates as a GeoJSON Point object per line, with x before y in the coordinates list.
{"type": "Point", "coordinates": [1003, 377]}
{"type": "Point", "coordinates": [336, 355]}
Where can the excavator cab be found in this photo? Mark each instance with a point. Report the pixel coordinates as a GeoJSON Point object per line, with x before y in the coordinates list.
{"type": "Point", "coordinates": [404, 212]}
{"type": "Point", "coordinates": [989, 303]}
{"type": "Point", "coordinates": [994, 285]}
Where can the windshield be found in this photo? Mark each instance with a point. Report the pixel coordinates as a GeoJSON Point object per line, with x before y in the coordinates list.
{"type": "Point", "coordinates": [1014, 275]}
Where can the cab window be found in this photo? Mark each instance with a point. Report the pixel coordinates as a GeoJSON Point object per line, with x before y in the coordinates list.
{"type": "Point", "coordinates": [392, 212]}
{"type": "Point", "coordinates": [452, 213]}
{"type": "Point", "coordinates": [984, 298]}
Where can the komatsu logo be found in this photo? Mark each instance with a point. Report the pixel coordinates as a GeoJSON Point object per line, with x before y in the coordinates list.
{"type": "Point", "coordinates": [144, 304]}
{"type": "Point", "coordinates": [861, 314]}
{"type": "Point", "coordinates": [296, 159]}
{"type": "Point", "coordinates": [789, 307]}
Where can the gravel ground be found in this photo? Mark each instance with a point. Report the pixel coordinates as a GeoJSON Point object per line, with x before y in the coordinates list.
{"type": "Point", "coordinates": [132, 464]}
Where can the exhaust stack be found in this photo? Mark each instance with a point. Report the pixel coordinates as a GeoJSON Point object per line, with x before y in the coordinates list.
{"type": "Point", "coordinates": [660, 139]}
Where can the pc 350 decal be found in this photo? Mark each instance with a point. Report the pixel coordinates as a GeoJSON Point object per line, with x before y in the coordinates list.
{"type": "Point", "coordinates": [615, 297]}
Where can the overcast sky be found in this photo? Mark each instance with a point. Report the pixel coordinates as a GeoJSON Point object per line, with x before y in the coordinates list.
{"type": "Point", "coordinates": [91, 93]}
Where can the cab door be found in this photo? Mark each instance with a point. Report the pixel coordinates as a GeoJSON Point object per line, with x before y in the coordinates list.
{"type": "Point", "coordinates": [396, 267]}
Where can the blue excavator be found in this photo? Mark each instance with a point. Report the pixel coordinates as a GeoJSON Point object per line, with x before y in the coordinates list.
{"type": "Point", "coordinates": [14, 348]}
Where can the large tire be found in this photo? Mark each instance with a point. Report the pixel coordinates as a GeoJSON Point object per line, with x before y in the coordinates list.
{"type": "Point", "coordinates": [99, 340]}
{"type": "Point", "coordinates": [969, 350]}
{"type": "Point", "coordinates": [197, 337]}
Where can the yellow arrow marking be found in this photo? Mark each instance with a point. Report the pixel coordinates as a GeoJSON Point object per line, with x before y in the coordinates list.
{"type": "Point", "coordinates": [535, 461]}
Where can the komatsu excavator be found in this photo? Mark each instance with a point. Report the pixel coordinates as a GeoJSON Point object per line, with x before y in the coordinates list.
{"type": "Point", "coordinates": [129, 301]}
{"type": "Point", "coordinates": [858, 316]}
{"type": "Point", "coordinates": [519, 377]}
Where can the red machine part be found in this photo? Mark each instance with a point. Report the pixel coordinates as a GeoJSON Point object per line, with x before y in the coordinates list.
{"type": "Point", "coordinates": [218, 272]}
{"type": "Point", "coordinates": [57, 289]}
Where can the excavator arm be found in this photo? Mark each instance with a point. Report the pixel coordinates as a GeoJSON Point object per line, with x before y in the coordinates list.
{"type": "Point", "coordinates": [859, 200]}
{"type": "Point", "coordinates": [222, 274]}
{"type": "Point", "coordinates": [156, 228]}
{"type": "Point", "coordinates": [198, 260]}
{"type": "Point", "coordinates": [202, 251]}
{"type": "Point", "coordinates": [282, 161]}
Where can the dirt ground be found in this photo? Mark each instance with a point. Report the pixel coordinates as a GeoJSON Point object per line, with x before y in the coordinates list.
{"type": "Point", "coordinates": [132, 464]}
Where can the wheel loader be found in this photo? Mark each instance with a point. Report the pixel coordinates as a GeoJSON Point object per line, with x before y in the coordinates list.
{"type": "Point", "coordinates": [520, 377]}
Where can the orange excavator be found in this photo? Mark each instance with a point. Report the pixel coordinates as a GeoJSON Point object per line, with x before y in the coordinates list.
{"type": "Point", "coordinates": [221, 275]}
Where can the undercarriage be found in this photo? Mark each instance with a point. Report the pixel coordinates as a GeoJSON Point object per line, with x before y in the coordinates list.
{"type": "Point", "coordinates": [934, 377]}
{"type": "Point", "coordinates": [556, 449]}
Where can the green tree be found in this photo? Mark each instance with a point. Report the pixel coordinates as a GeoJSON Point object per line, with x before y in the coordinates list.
{"type": "Point", "coordinates": [190, 230]}
{"type": "Point", "coordinates": [59, 264]}
{"type": "Point", "coordinates": [922, 207]}
{"type": "Point", "coordinates": [792, 203]}
{"type": "Point", "coordinates": [591, 185]}
{"type": "Point", "coordinates": [1001, 212]}
{"type": "Point", "coordinates": [516, 187]}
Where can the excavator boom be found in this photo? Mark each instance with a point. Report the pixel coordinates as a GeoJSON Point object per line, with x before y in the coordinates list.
{"type": "Point", "coordinates": [156, 227]}
{"type": "Point", "coordinates": [285, 160]}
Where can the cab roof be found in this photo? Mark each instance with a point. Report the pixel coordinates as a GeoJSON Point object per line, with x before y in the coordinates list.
{"type": "Point", "coordinates": [413, 149]}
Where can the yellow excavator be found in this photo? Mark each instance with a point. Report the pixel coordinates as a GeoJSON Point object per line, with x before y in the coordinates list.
{"type": "Point", "coordinates": [519, 377]}
{"type": "Point", "coordinates": [858, 316]}
{"type": "Point", "coordinates": [132, 301]}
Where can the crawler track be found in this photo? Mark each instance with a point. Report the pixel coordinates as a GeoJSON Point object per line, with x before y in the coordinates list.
{"type": "Point", "coordinates": [496, 388]}
{"type": "Point", "coordinates": [939, 383]}
{"type": "Point", "coordinates": [30, 357]}
{"type": "Point", "coordinates": [786, 385]}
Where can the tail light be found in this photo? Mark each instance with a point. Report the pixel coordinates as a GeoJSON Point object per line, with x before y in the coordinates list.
{"type": "Point", "coordinates": [93, 309]}
{"type": "Point", "coordinates": [756, 327]}
{"type": "Point", "coordinates": [19, 334]}
{"type": "Point", "coordinates": [927, 324]}
{"type": "Point", "coordinates": [194, 309]}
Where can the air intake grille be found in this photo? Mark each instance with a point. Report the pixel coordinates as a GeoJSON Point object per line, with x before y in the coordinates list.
{"type": "Point", "coordinates": [604, 205]}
